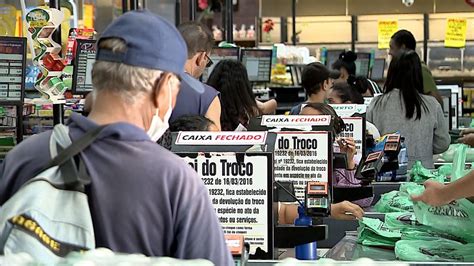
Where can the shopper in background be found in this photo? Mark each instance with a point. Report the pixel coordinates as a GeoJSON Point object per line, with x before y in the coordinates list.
{"type": "Point", "coordinates": [143, 199]}
{"type": "Point", "coordinates": [200, 42]}
{"type": "Point", "coordinates": [230, 78]}
{"type": "Point", "coordinates": [316, 82]}
{"type": "Point", "coordinates": [346, 65]}
{"type": "Point", "coordinates": [193, 123]}
{"type": "Point", "coordinates": [342, 93]}
{"type": "Point", "coordinates": [404, 40]}
{"type": "Point", "coordinates": [405, 109]}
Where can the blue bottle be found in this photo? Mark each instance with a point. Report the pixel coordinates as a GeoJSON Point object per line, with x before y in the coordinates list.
{"type": "Point", "coordinates": [306, 251]}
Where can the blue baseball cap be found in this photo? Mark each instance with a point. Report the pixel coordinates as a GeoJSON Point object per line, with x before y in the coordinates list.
{"type": "Point", "coordinates": [152, 42]}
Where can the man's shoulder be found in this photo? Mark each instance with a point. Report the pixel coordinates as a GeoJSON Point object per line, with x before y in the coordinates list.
{"type": "Point", "coordinates": [38, 143]}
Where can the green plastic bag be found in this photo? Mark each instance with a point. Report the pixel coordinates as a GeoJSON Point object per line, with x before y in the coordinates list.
{"type": "Point", "coordinates": [438, 250]}
{"type": "Point", "coordinates": [401, 220]}
{"type": "Point", "coordinates": [459, 163]}
{"type": "Point", "coordinates": [446, 170]}
{"type": "Point", "coordinates": [428, 234]}
{"type": "Point", "coordinates": [394, 201]}
{"type": "Point", "coordinates": [420, 174]}
{"type": "Point", "coordinates": [373, 232]}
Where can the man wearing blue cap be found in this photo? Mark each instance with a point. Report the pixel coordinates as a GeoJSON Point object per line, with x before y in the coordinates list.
{"type": "Point", "coordinates": [143, 199]}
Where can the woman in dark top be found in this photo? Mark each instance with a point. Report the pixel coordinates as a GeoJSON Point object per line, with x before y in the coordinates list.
{"type": "Point", "coordinates": [229, 77]}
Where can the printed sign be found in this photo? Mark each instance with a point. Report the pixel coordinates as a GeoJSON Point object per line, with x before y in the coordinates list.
{"type": "Point", "coordinates": [240, 189]}
{"type": "Point", "coordinates": [348, 110]}
{"type": "Point", "coordinates": [296, 120]}
{"type": "Point", "coordinates": [12, 68]}
{"type": "Point", "coordinates": [386, 29]}
{"type": "Point", "coordinates": [221, 138]}
{"type": "Point", "coordinates": [456, 29]}
{"type": "Point", "coordinates": [301, 157]}
{"type": "Point", "coordinates": [354, 128]}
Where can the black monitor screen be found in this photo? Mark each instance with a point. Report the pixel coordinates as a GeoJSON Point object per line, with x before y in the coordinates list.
{"type": "Point", "coordinates": [217, 55]}
{"type": "Point", "coordinates": [83, 62]}
{"type": "Point", "coordinates": [332, 56]}
{"type": "Point", "coordinates": [12, 68]}
{"type": "Point", "coordinates": [258, 63]}
{"type": "Point", "coordinates": [378, 69]}
{"type": "Point", "coordinates": [362, 64]}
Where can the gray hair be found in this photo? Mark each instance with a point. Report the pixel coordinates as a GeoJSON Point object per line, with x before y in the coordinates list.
{"type": "Point", "coordinates": [128, 81]}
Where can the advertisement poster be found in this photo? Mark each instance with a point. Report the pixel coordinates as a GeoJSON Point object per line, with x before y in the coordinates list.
{"type": "Point", "coordinates": [456, 29]}
{"type": "Point", "coordinates": [240, 187]}
{"type": "Point", "coordinates": [386, 28]}
{"type": "Point", "coordinates": [301, 157]}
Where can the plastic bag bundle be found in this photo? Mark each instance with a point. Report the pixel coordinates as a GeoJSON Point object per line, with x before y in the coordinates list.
{"type": "Point", "coordinates": [373, 232]}
{"type": "Point", "coordinates": [396, 201]}
{"type": "Point", "coordinates": [448, 156]}
{"type": "Point", "coordinates": [401, 220]}
{"type": "Point", "coordinates": [438, 250]}
{"type": "Point", "coordinates": [455, 218]}
{"type": "Point", "coordinates": [420, 174]}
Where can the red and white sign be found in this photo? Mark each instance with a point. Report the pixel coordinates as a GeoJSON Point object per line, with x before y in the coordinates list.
{"type": "Point", "coordinates": [221, 138]}
{"type": "Point", "coordinates": [295, 120]}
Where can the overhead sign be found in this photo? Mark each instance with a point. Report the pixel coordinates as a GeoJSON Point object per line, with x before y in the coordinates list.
{"type": "Point", "coordinates": [296, 120]}
{"type": "Point", "coordinates": [386, 29]}
{"type": "Point", "coordinates": [221, 138]}
{"type": "Point", "coordinates": [301, 157]}
{"type": "Point", "coordinates": [456, 29]}
{"type": "Point", "coordinates": [240, 189]}
{"type": "Point", "coordinates": [348, 110]}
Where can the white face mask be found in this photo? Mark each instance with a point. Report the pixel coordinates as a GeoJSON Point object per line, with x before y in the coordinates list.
{"type": "Point", "coordinates": [158, 127]}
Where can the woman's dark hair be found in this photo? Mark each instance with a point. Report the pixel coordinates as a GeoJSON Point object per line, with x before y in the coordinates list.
{"type": "Point", "coordinates": [191, 123]}
{"type": "Point", "coordinates": [347, 93]}
{"type": "Point", "coordinates": [404, 74]}
{"type": "Point", "coordinates": [230, 78]}
{"type": "Point", "coordinates": [404, 37]}
{"type": "Point", "coordinates": [328, 110]}
{"type": "Point", "coordinates": [346, 60]}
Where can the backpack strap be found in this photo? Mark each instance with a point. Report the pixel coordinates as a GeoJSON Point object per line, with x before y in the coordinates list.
{"type": "Point", "coordinates": [63, 151]}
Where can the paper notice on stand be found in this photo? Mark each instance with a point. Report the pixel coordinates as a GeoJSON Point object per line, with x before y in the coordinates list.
{"type": "Point", "coordinates": [386, 29]}
{"type": "Point", "coordinates": [354, 128]}
{"type": "Point", "coordinates": [238, 186]}
{"type": "Point", "coordinates": [301, 157]}
{"type": "Point", "coordinates": [456, 29]}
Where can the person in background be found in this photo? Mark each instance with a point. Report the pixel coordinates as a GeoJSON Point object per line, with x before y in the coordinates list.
{"type": "Point", "coordinates": [403, 108]}
{"type": "Point", "coordinates": [342, 93]}
{"type": "Point", "coordinates": [199, 42]}
{"type": "Point", "coordinates": [230, 78]}
{"type": "Point", "coordinates": [346, 65]}
{"type": "Point", "coordinates": [404, 40]}
{"type": "Point", "coordinates": [193, 123]}
{"type": "Point", "coordinates": [363, 85]}
{"type": "Point", "coordinates": [267, 108]}
{"type": "Point", "coordinates": [143, 199]}
{"type": "Point", "coordinates": [316, 81]}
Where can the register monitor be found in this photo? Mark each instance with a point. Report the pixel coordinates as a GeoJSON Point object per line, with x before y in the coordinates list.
{"type": "Point", "coordinates": [378, 69]}
{"type": "Point", "coordinates": [362, 64]}
{"type": "Point", "coordinates": [258, 63]}
{"type": "Point", "coordinates": [217, 55]}
{"type": "Point", "coordinates": [83, 62]}
{"type": "Point", "coordinates": [332, 56]}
